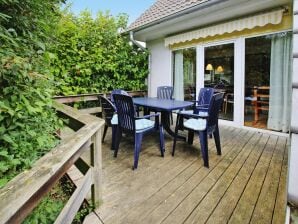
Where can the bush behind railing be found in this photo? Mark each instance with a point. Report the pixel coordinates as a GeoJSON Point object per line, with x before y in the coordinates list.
{"type": "Point", "coordinates": [91, 56]}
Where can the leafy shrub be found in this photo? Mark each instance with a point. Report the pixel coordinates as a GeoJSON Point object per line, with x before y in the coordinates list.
{"type": "Point", "coordinates": [27, 120]}
{"type": "Point", "coordinates": [91, 56]}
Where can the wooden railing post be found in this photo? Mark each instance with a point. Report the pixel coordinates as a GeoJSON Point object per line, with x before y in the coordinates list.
{"type": "Point", "coordinates": [97, 168]}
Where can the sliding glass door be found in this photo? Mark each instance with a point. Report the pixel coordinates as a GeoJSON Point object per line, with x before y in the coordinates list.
{"type": "Point", "coordinates": [254, 73]}
{"type": "Point", "coordinates": [268, 78]}
{"type": "Point", "coordinates": [185, 74]}
{"type": "Point", "coordinates": [219, 74]}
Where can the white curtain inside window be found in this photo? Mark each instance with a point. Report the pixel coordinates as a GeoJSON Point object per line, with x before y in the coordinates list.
{"type": "Point", "coordinates": [280, 82]}
{"type": "Point", "coordinates": [178, 76]}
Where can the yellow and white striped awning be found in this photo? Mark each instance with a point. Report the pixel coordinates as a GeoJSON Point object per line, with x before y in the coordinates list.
{"type": "Point", "coordinates": [273, 17]}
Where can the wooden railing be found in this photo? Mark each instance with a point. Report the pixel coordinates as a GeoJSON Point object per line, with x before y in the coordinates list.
{"type": "Point", "coordinates": [92, 97]}
{"type": "Point", "coordinates": [83, 148]}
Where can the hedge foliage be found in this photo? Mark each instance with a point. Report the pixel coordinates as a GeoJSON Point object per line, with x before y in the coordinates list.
{"type": "Point", "coordinates": [91, 56]}
{"type": "Point", "coordinates": [27, 120]}
{"type": "Point", "coordinates": [43, 52]}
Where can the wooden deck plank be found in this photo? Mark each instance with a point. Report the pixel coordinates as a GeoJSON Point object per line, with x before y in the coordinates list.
{"type": "Point", "coordinates": [228, 202]}
{"type": "Point", "coordinates": [265, 205]}
{"type": "Point", "coordinates": [149, 167]}
{"type": "Point", "coordinates": [279, 214]}
{"type": "Point", "coordinates": [141, 187]}
{"type": "Point", "coordinates": [142, 193]}
{"type": "Point", "coordinates": [165, 208]}
{"type": "Point", "coordinates": [133, 183]}
{"type": "Point", "coordinates": [204, 209]}
{"type": "Point", "coordinates": [170, 191]}
{"type": "Point", "coordinates": [248, 199]}
{"type": "Point", "coordinates": [183, 210]}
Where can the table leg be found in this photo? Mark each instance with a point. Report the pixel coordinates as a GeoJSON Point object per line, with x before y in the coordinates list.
{"type": "Point", "coordinates": [165, 120]}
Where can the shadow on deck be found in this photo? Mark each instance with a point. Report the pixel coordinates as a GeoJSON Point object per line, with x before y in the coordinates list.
{"type": "Point", "coordinates": [247, 184]}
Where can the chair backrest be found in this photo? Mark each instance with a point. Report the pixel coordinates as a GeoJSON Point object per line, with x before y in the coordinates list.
{"type": "Point", "coordinates": [118, 91]}
{"type": "Point", "coordinates": [108, 109]}
{"type": "Point", "coordinates": [165, 92]}
{"type": "Point", "coordinates": [213, 111]}
{"type": "Point", "coordinates": [126, 112]}
{"type": "Point", "coordinates": [205, 96]}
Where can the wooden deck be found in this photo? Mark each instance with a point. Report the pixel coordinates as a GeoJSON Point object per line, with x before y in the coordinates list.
{"type": "Point", "coordinates": [247, 184]}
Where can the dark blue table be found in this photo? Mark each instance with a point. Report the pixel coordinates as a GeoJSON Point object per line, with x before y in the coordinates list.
{"type": "Point", "coordinates": [165, 107]}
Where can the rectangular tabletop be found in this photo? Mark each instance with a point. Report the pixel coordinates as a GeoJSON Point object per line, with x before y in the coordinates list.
{"type": "Point", "coordinates": [161, 104]}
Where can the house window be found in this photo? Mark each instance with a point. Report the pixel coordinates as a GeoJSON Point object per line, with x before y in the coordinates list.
{"type": "Point", "coordinates": [219, 74]}
{"type": "Point", "coordinates": [268, 80]}
{"type": "Point", "coordinates": [185, 74]}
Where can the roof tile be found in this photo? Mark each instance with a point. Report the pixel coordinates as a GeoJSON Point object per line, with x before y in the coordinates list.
{"type": "Point", "coordinates": [161, 9]}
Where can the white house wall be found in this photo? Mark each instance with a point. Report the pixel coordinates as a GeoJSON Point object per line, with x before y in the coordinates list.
{"type": "Point", "coordinates": [160, 66]}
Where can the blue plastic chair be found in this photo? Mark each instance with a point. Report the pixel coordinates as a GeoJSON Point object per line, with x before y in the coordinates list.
{"type": "Point", "coordinates": [202, 104]}
{"type": "Point", "coordinates": [122, 92]}
{"type": "Point", "coordinates": [165, 92]}
{"type": "Point", "coordinates": [137, 126]}
{"type": "Point", "coordinates": [118, 91]}
{"type": "Point", "coordinates": [108, 113]}
{"type": "Point", "coordinates": [204, 123]}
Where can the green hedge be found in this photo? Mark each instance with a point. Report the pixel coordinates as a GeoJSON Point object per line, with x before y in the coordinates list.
{"type": "Point", "coordinates": [90, 56]}
{"type": "Point", "coordinates": [27, 120]}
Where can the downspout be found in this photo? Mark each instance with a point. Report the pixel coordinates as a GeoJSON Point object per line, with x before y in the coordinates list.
{"type": "Point", "coordinates": [131, 38]}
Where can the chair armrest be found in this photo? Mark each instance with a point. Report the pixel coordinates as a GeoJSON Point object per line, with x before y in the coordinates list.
{"type": "Point", "coordinates": [147, 116]}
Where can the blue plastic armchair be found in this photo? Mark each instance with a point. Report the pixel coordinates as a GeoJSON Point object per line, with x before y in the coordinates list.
{"type": "Point", "coordinates": [204, 123]}
{"type": "Point", "coordinates": [137, 126]}
{"type": "Point", "coordinates": [108, 113]}
{"type": "Point", "coordinates": [118, 91]}
{"type": "Point", "coordinates": [165, 92]}
{"type": "Point", "coordinates": [202, 104]}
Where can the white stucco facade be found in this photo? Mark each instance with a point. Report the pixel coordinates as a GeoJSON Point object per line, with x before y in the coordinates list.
{"type": "Point", "coordinates": [160, 66]}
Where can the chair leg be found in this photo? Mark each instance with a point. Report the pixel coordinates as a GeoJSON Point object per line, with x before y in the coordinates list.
{"type": "Point", "coordinates": [138, 142]}
{"type": "Point", "coordinates": [176, 133]}
{"type": "Point", "coordinates": [104, 133]}
{"type": "Point", "coordinates": [156, 122]}
{"type": "Point", "coordinates": [217, 140]}
{"type": "Point", "coordinates": [118, 136]}
{"type": "Point", "coordinates": [114, 133]}
{"type": "Point", "coordinates": [172, 119]}
{"type": "Point", "coordinates": [161, 141]}
{"type": "Point", "coordinates": [190, 137]}
{"type": "Point", "coordinates": [204, 147]}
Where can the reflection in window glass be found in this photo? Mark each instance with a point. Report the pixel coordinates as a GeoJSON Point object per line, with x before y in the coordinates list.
{"type": "Point", "coordinates": [185, 74]}
{"type": "Point", "coordinates": [257, 81]}
{"type": "Point", "coordinates": [268, 77]}
{"type": "Point", "coordinates": [219, 74]}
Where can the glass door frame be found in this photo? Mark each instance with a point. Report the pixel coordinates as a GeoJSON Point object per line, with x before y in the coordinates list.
{"type": "Point", "coordinates": [239, 76]}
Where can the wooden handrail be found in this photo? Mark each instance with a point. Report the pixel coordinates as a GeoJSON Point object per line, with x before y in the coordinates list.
{"type": "Point", "coordinates": [92, 96]}
{"type": "Point", "coordinates": [23, 193]}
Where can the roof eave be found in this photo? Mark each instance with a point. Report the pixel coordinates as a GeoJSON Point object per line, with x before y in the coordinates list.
{"type": "Point", "coordinates": [204, 4]}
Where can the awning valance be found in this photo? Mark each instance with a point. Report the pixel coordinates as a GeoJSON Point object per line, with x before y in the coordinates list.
{"type": "Point", "coordinates": [273, 17]}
